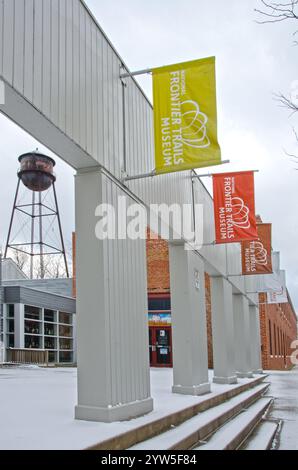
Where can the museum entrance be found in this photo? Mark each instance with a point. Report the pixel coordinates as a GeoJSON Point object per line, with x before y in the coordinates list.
{"type": "Point", "coordinates": [160, 346]}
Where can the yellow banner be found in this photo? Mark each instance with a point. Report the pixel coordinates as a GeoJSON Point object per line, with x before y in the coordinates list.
{"type": "Point", "coordinates": [185, 118]}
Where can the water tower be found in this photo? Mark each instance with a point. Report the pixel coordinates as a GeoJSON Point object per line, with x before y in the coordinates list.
{"type": "Point", "coordinates": [36, 172]}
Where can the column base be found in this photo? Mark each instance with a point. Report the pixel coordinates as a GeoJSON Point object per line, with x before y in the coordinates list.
{"type": "Point", "coordinates": [114, 413]}
{"type": "Point", "coordinates": [258, 371]}
{"type": "Point", "coordinates": [194, 390]}
{"type": "Point", "coordinates": [245, 375]}
{"type": "Point", "coordinates": [225, 380]}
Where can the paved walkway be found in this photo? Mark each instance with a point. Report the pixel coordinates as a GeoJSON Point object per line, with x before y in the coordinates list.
{"type": "Point", "coordinates": [284, 387]}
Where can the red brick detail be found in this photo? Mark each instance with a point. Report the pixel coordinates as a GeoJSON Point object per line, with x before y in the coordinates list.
{"type": "Point", "coordinates": [158, 271]}
{"type": "Point", "coordinates": [278, 325]}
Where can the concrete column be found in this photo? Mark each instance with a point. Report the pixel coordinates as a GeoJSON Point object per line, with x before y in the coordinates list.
{"type": "Point", "coordinates": [223, 331]}
{"type": "Point", "coordinates": [19, 326]}
{"type": "Point", "coordinates": [189, 330]}
{"type": "Point", "coordinates": [255, 334]}
{"type": "Point", "coordinates": [112, 316]}
{"type": "Point", "coordinates": [242, 336]}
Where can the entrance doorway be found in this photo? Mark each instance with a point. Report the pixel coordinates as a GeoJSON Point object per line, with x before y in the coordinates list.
{"type": "Point", "coordinates": [160, 346]}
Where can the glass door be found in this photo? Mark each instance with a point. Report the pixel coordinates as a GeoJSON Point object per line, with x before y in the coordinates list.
{"type": "Point", "coordinates": [160, 346]}
{"type": "Point", "coordinates": [163, 347]}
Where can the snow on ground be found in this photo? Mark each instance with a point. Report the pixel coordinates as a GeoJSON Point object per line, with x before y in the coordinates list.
{"type": "Point", "coordinates": [37, 408]}
{"type": "Point", "coordinates": [284, 388]}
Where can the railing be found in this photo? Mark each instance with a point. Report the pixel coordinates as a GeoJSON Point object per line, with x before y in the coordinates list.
{"type": "Point", "coordinates": [28, 356]}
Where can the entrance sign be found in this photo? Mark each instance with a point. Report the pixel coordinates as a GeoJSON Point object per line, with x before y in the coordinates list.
{"type": "Point", "coordinates": [185, 116]}
{"type": "Point", "coordinates": [234, 207]}
{"type": "Point", "coordinates": [256, 254]}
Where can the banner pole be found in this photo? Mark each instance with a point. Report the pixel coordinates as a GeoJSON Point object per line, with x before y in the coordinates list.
{"type": "Point", "coordinates": [211, 174]}
{"type": "Point", "coordinates": [133, 74]}
{"type": "Point", "coordinates": [153, 173]}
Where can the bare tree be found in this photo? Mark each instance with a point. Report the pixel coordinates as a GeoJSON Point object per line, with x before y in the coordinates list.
{"type": "Point", "coordinates": [294, 157]}
{"type": "Point", "coordinates": [273, 12]}
{"type": "Point", "coordinates": [286, 102]}
{"type": "Point", "coordinates": [20, 258]}
{"type": "Point", "coordinates": [52, 267]}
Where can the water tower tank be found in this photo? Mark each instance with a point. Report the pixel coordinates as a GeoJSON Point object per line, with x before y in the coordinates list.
{"type": "Point", "coordinates": [36, 171]}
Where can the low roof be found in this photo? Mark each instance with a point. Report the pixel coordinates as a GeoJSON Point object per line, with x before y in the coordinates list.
{"type": "Point", "coordinates": [38, 298]}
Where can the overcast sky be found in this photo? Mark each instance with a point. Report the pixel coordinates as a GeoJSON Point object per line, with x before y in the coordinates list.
{"type": "Point", "coordinates": [253, 61]}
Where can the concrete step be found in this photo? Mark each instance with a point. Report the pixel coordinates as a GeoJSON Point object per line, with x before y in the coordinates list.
{"type": "Point", "coordinates": [198, 428]}
{"type": "Point", "coordinates": [262, 436]}
{"type": "Point", "coordinates": [155, 427]}
{"type": "Point", "coordinates": [233, 433]}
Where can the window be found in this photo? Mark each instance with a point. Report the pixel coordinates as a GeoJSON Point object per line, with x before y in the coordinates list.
{"type": "Point", "coordinates": [10, 341]}
{"type": "Point", "coordinates": [50, 343]}
{"type": "Point", "coordinates": [50, 329]}
{"type": "Point", "coordinates": [32, 327]}
{"type": "Point", "coordinates": [33, 313]}
{"type": "Point", "coordinates": [10, 311]}
{"type": "Point", "coordinates": [52, 356]}
{"type": "Point", "coordinates": [270, 339]}
{"type": "Point", "coordinates": [49, 315]}
{"type": "Point", "coordinates": [275, 341]}
{"type": "Point", "coordinates": [65, 318]}
{"type": "Point", "coordinates": [159, 303]}
{"type": "Point", "coordinates": [65, 331]}
{"type": "Point", "coordinates": [65, 344]}
{"type": "Point", "coordinates": [32, 342]}
{"type": "Point", "coordinates": [10, 326]}
{"type": "Point", "coordinates": [65, 356]}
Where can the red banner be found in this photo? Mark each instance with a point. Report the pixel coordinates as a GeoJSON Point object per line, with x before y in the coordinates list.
{"type": "Point", "coordinates": [234, 207]}
{"type": "Point", "coordinates": [256, 254]}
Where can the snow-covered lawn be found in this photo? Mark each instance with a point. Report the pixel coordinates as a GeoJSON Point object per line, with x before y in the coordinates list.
{"type": "Point", "coordinates": [37, 408]}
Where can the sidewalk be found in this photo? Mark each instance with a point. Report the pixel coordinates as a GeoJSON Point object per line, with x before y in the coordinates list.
{"type": "Point", "coordinates": [284, 388]}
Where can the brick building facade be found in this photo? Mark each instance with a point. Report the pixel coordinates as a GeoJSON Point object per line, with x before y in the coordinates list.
{"type": "Point", "coordinates": [278, 322]}
{"type": "Point", "coordinates": [158, 280]}
{"type": "Point", "coordinates": [278, 330]}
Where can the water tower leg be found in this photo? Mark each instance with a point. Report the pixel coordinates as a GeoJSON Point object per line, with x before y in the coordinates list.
{"type": "Point", "coordinates": [32, 235]}
{"type": "Point", "coordinates": [42, 273]}
{"type": "Point", "coordinates": [11, 219]}
{"type": "Point", "coordinates": [60, 231]}
{"type": "Point", "coordinates": [112, 318]}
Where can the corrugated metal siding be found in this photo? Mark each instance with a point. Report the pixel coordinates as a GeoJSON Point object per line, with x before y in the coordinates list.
{"type": "Point", "coordinates": [54, 53]}
{"type": "Point", "coordinates": [55, 286]}
{"type": "Point", "coordinates": [23, 295]}
{"type": "Point", "coordinates": [127, 307]}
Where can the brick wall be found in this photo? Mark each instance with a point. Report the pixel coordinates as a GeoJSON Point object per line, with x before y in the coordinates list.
{"type": "Point", "coordinates": [158, 278]}
{"type": "Point", "coordinates": [280, 319]}
{"type": "Point", "coordinates": [278, 329]}
{"type": "Point", "coordinates": [158, 271]}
